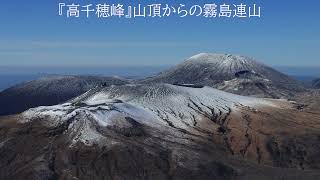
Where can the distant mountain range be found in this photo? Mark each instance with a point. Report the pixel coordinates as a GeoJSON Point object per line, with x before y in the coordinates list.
{"type": "Point", "coordinates": [182, 124]}
{"type": "Point", "coordinates": [235, 74]}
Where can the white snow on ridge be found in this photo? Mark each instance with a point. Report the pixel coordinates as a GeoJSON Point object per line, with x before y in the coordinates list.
{"type": "Point", "coordinates": [175, 95]}
{"type": "Point", "coordinates": [226, 59]}
{"type": "Point", "coordinates": [200, 55]}
{"type": "Point", "coordinates": [55, 113]}
{"type": "Point", "coordinates": [154, 106]}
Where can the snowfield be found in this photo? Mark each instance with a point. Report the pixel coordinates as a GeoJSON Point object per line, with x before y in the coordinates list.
{"type": "Point", "coordinates": [159, 106]}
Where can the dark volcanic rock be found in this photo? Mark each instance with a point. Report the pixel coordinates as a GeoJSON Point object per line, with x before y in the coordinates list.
{"type": "Point", "coordinates": [49, 91]}
{"type": "Point", "coordinates": [235, 74]}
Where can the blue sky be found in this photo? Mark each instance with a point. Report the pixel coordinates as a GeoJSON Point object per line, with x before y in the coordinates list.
{"type": "Point", "coordinates": [33, 34]}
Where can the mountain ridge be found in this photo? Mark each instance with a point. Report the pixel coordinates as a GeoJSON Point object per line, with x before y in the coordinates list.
{"type": "Point", "coordinates": [316, 83]}
{"type": "Point", "coordinates": [49, 91]}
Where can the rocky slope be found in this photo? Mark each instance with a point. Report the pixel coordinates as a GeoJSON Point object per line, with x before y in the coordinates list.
{"type": "Point", "coordinates": [49, 91]}
{"type": "Point", "coordinates": [235, 74]}
{"type": "Point", "coordinates": [162, 131]}
{"type": "Point", "coordinates": [316, 83]}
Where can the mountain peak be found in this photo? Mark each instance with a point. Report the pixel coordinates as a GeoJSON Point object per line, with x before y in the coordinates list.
{"type": "Point", "coordinates": [232, 73]}
{"type": "Point", "coordinates": [200, 56]}
{"type": "Point", "coordinates": [223, 59]}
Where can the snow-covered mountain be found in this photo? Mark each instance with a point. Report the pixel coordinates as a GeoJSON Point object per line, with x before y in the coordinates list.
{"type": "Point", "coordinates": [109, 128]}
{"type": "Point", "coordinates": [235, 74]}
{"type": "Point", "coordinates": [158, 106]}
{"type": "Point", "coordinates": [49, 91]}
{"type": "Point", "coordinates": [161, 131]}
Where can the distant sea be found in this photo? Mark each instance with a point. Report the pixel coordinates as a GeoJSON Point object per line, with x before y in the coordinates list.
{"type": "Point", "coordinates": [300, 71]}
{"type": "Point", "coordinates": [10, 76]}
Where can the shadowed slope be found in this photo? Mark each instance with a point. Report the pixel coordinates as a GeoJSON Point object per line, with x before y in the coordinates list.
{"type": "Point", "coordinates": [49, 91]}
